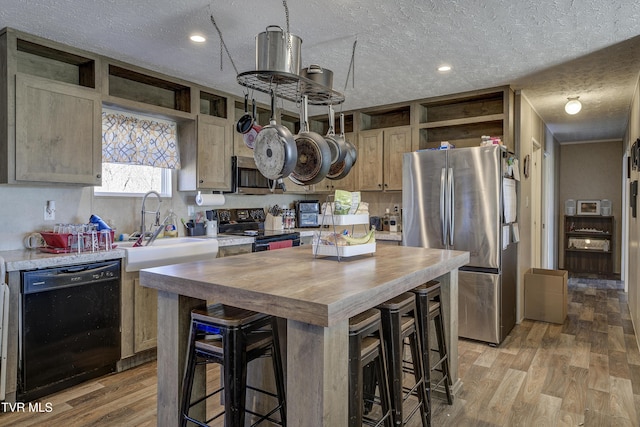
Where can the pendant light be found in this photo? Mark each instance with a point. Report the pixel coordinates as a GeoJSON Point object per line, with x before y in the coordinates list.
{"type": "Point", "coordinates": [573, 105]}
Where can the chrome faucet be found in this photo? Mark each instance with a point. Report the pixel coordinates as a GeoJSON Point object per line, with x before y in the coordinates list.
{"type": "Point", "coordinates": [143, 212]}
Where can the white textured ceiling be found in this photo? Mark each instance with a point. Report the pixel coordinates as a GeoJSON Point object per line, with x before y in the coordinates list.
{"type": "Point", "coordinates": [549, 49]}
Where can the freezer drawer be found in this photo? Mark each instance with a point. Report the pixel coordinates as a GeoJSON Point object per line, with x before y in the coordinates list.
{"type": "Point", "coordinates": [482, 314]}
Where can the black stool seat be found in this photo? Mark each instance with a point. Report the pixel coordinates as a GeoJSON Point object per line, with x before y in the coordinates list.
{"type": "Point", "coordinates": [366, 353]}
{"type": "Point", "coordinates": [232, 337]}
{"type": "Point", "coordinates": [399, 317]}
{"type": "Point", "coordinates": [429, 309]}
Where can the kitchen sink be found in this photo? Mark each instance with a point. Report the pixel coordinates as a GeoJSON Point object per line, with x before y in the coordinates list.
{"type": "Point", "coordinates": [168, 251]}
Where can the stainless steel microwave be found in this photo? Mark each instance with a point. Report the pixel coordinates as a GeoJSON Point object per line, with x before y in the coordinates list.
{"type": "Point", "coordinates": [247, 179]}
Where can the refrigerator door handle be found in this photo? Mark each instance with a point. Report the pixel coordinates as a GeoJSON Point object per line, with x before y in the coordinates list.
{"type": "Point", "coordinates": [450, 185]}
{"type": "Point", "coordinates": [443, 214]}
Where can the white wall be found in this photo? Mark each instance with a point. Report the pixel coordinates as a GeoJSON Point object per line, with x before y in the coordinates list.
{"type": "Point", "coordinates": [22, 208]}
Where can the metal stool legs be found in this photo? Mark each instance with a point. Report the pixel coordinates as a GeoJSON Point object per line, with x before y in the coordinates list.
{"type": "Point", "coordinates": [429, 309]}
{"type": "Point", "coordinates": [232, 337]}
{"type": "Point", "coordinates": [399, 322]}
{"type": "Point", "coordinates": [366, 354]}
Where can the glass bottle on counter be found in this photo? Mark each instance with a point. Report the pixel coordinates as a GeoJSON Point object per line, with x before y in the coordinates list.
{"type": "Point", "coordinates": [385, 220]}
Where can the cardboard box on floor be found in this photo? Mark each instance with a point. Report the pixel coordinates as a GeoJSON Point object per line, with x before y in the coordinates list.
{"type": "Point", "coordinates": [545, 295]}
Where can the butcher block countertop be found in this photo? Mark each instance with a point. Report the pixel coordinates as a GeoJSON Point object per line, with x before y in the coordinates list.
{"type": "Point", "coordinates": [317, 296]}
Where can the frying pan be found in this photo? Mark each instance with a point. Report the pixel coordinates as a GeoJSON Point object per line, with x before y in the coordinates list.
{"type": "Point", "coordinates": [245, 122]}
{"type": "Point", "coordinates": [350, 147]}
{"type": "Point", "coordinates": [314, 154]}
{"type": "Point", "coordinates": [275, 150]}
{"type": "Point", "coordinates": [249, 137]}
{"type": "Point", "coordinates": [336, 142]}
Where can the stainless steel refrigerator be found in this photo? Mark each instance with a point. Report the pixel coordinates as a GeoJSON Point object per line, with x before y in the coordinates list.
{"type": "Point", "coordinates": [454, 199]}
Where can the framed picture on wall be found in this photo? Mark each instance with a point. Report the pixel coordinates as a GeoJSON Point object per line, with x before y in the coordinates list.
{"type": "Point", "coordinates": [588, 207]}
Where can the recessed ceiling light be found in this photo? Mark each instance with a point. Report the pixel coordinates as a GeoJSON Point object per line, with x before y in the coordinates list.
{"type": "Point", "coordinates": [197, 38]}
{"type": "Point", "coordinates": [444, 68]}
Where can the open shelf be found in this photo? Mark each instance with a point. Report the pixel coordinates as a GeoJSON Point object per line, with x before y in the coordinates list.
{"type": "Point", "coordinates": [47, 62]}
{"type": "Point", "coordinates": [135, 86]}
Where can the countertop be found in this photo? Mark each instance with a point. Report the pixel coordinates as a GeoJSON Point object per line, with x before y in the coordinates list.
{"type": "Point", "coordinates": [292, 283]}
{"type": "Point", "coordinates": [30, 259]}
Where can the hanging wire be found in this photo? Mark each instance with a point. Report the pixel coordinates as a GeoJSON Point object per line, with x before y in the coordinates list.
{"type": "Point", "coordinates": [352, 67]}
{"type": "Point", "coordinates": [223, 45]}
{"type": "Point", "coordinates": [286, 13]}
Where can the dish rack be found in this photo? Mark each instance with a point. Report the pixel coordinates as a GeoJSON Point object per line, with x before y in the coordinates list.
{"type": "Point", "coordinates": [335, 221]}
{"type": "Point", "coordinates": [77, 241]}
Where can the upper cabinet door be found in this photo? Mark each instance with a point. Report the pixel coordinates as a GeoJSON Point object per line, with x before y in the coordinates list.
{"type": "Point", "coordinates": [397, 141]}
{"type": "Point", "coordinates": [369, 161]}
{"type": "Point", "coordinates": [58, 129]}
{"type": "Point", "coordinates": [214, 153]}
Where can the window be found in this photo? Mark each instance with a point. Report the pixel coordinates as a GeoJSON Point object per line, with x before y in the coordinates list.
{"type": "Point", "coordinates": [138, 153]}
{"type": "Point", "coordinates": [133, 180]}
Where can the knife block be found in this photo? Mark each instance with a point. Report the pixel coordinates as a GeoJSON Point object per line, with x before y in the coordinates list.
{"type": "Point", "coordinates": [273, 222]}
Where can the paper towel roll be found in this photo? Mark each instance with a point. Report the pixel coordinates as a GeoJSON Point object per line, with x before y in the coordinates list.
{"type": "Point", "coordinates": [209, 199]}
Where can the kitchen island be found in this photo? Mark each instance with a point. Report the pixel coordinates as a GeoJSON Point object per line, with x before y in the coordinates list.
{"type": "Point", "coordinates": [317, 296]}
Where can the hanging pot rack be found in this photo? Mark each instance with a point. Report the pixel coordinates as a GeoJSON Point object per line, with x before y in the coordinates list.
{"type": "Point", "coordinates": [289, 86]}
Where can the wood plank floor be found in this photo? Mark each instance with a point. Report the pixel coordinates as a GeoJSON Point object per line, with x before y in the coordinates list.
{"type": "Point", "coordinates": [585, 372]}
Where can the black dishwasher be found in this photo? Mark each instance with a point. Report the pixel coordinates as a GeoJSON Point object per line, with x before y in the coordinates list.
{"type": "Point", "coordinates": [70, 326]}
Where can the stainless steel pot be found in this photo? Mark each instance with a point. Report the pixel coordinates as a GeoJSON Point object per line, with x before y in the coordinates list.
{"type": "Point", "coordinates": [277, 50]}
{"type": "Point", "coordinates": [319, 75]}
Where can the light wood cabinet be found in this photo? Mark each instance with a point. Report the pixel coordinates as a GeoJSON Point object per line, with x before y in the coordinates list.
{"type": "Point", "coordinates": [145, 317]}
{"type": "Point", "coordinates": [369, 164]}
{"type": "Point", "coordinates": [50, 107]}
{"type": "Point", "coordinates": [139, 317]}
{"type": "Point", "coordinates": [380, 154]}
{"type": "Point", "coordinates": [206, 148]}
{"type": "Point", "coordinates": [58, 132]}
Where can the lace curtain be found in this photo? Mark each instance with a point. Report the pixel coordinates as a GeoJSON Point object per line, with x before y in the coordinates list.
{"type": "Point", "coordinates": [135, 140]}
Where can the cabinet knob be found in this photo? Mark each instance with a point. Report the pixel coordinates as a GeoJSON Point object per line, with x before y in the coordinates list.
{"type": "Point", "coordinates": [380, 185]}
{"type": "Point", "coordinates": [201, 181]}
{"type": "Point", "coordinates": [386, 185]}
{"type": "Point", "coordinates": [98, 176]}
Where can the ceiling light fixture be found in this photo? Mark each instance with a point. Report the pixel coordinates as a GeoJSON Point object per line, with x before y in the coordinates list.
{"type": "Point", "coordinates": [444, 68]}
{"type": "Point", "coordinates": [197, 38]}
{"type": "Point", "coordinates": [573, 105]}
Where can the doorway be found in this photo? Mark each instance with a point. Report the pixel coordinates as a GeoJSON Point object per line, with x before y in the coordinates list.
{"type": "Point", "coordinates": [536, 204]}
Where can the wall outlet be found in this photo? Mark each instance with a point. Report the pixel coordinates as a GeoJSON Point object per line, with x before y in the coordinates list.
{"type": "Point", "coordinates": [49, 214]}
{"type": "Point", "coordinates": [191, 211]}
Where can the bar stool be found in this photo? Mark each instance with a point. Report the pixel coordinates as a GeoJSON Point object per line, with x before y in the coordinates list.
{"type": "Point", "coordinates": [398, 323]}
{"type": "Point", "coordinates": [366, 353]}
{"type": "Point", "coordinates": [429, 309]}
{"type": "Point", "coordinates": [232, 337]}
